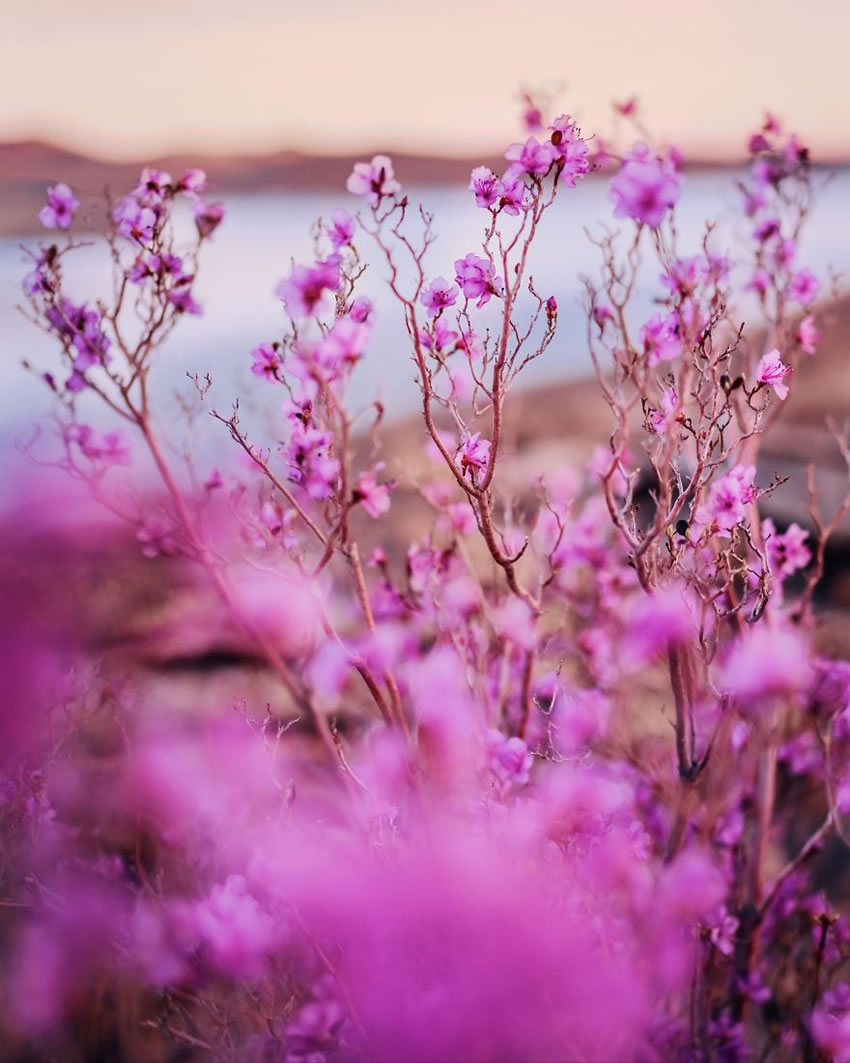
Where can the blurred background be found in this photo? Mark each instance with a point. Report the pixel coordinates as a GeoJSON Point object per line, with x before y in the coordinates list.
{"type": "Point", "coordinates": [276, 99]}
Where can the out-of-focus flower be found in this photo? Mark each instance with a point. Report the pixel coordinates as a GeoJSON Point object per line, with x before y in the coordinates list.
{"type": "Point", "coordinates": [60, 208]}
{"type": "Point", "coordinates": [645, 187]}
{"type": "Point", "coordinates": [374, 180]}
{"type": "Point", "coordinates": [772, 371]}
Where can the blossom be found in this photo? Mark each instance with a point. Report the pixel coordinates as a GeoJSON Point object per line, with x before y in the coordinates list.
{"type": "Point", "coordinates": [804, 287]}
{"type": "Point", "coordinates": [659, 421]}
{"type": "Point", "coordinates": [183, 301]}
{"type": "Point", "coordinates": [728, 500]}
{"type": "Point", "coordinates": [362, 310]}
{"type": "Point", "coordinates": [571, 151]}
{"type": "Point", "coordinates": [134, 221]}
{"type": "Point", "coordinates": [267, 361]}
{"type": "Point", "coordinates": [374, 497]}
{"type": "Point", "coordinates": [439, 295]}
{"type": "Point", "coordinates": [208, 217]}
{"type": "Point", "coordinates": [60, 208]}
{"type": "Point", "coordinates": [660, 338]}
{"type": "Point", "coordinates": [477, 278]}
{"type": "Point", "coordinates": [474, 453]}
{"type": "Point", "coordinates": [303, 291]}
{"type": "Point", "coordinates": [772, 372]}
{"type": "Point", "coordinates": [344, 345]}
{"type": "Point", "coordinates": [193, 181]}
{"type": "Point", "coordinates": [531, 158]}
{"type": "Point", "coordinates": [486, 186]}
{"type": "Point", "coordinates": [765, 663]}
{"type": "Point", "coordinates": [374, 179]}
{"type": "Point", "coordinates": [509, 759]}
{"type": "Point", "coordinates": [808, 335]}
{"type": "Point", "coordinates": [786, 553]}
{"type": "Point", "coordinates": [644, 188]}
{"type": "Point", "coordinates": [514, 194]}
{"type": "Point", "coordinates": [157, 537]}
{"type": "Point", "coordinates": [341, 229]}
{"type": "Point", "coordinates": [311, 464]}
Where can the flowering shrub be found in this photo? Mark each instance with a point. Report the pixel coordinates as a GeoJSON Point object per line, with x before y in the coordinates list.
{"type": "Point", "coordinates": [458, 831]}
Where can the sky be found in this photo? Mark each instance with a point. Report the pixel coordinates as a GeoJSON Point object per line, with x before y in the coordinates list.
{"type": "Point", "coordinates": [124, 78]}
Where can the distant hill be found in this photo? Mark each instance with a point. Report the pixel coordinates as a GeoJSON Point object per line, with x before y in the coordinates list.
{"type": "Point", "coordinates": [28, 166]}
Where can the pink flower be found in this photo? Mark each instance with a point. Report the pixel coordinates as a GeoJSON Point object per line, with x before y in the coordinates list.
{"type": "Point", "coordinates": [659, 421]}
{"type": "Point", "coordinates": [727, 501]}
{"type": "Point", "coordinates": [571, 151]}
{"type": "Point", "coordinates": [341, 229]}
{"type": "Point", "coordinates": [344, 345]}
{"type": "Point", "coordinates": [193, 181]}
{"type": "Point", "coordinates": [477, 279]}
{"type": "Point", "coordinates": [267, 361]}
{"type": "Point", "coordinates": [486, 186]}
{"type": "Point", "coordinates": [374, 180]}
{"type": "Point", "coordinates": [514, 194]}
{"type": "Point", "coordinates": [310, 462]}
{"type": "Point", "coordinates": [660, 338]}
{"type": "Point", "coordinates": [808, 335]}
{"type": "Point", "coordinates": [303, 291]}
{"type": "Point", "coordinates": [134, 221]}
{"type": "Point", "coordinates": [804, 287]}
{"type": "Point", "coordinates": [61, 205]}
{"type": "Point", "coordinates": [759, 282]}
{"type": "Point", "coordinates": [184, 302]}
{"type": "Point", "coordinates": [786, 553]}
{"type": "Point", "coordinates": [374, 497]}
{"type": "Point", "coordinates": [531, 158]}
{"type": "Point", "coordinates": [474, 453]}
{"type": "Point", "coordinates": [439, 295]}
{"type": "Point", "coordinates": [765, 663]}
{"type": "Point", "coordinates": [772, 372]}
{"type": "Point", "coordinates": [509, 759]}
{"type": "Point", "coordinates": [362, 310]}
{"type": "Point", "coordinates": [645, 187]}
{"type": "Point", "coordinates": [157, 537]}
{"type": "Point", "coordinates": [208, 217]}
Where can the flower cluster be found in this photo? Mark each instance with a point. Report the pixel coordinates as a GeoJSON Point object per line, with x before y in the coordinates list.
{"type": "Point", "coordinates": [437, 755]}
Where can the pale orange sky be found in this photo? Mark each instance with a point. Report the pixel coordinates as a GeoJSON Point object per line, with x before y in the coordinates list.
{"type": "Point", "coordinates": [127, 78]}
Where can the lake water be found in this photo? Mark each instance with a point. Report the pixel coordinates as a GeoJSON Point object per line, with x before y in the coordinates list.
{"type": "Point", "coordinates": [261, 235]}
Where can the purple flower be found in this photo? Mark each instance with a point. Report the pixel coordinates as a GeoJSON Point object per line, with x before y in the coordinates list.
{"type": "Point", "coordinates": [477, 279]}
{"type": "Point", "coordinates": [439, 295]}
{"type": "Point", "coordinates": [193, 181]}
{"type": "Point", "coordinates": [374, 180]}
{"type": "Point", "coordinates": [786, 553]}
{"type": "Point", "coordinates": [804, 287]}
{"type": "Point", "coordinates": [660, 338]}
{"type": "Point", "coordinates": [341, 229]}
{"type": "Point", "coordinates": [374, 497]}
{"type": "Point", "coordinates": [808, 335]}
{"type": "Point", "coordinates": [184, 302]}
{"type": "Point", "coordinates": [531, 158]}
{"type": "Point", "coordinates": [514, 194]}
{"type": "Point", "coordinates": [509, 759]}
{"type": "Point", "coordinates": [486, 186]}
{"type": "Point", "coordinates": [570, 150]}
{"type": "Point", "coordinates": [208, 217]}
{"type": "Point", "coordinates": [728, 500]}
{"type": "Point", "coordinates": [134, 221]}
{"type": "Point", "coordinates": [474, 453]}
{"type": "Point", "coordinates": [61, 205]}
{"type": "Point", "coordinates": [303, 291]}
{"type": "Point", "coordinates": [645, 187]}
{"type": "Point", "coordinates": [772, 372]}
{"type": "Point", "coordinates": [266, 362]}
